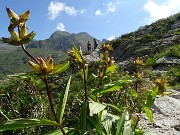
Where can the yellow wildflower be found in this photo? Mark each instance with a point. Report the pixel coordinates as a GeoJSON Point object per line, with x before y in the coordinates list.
{"type": "Point", "coordinates": [138, 75]}
{"type": "Point", "coordinates": [107, 47]}
{"type": "Point", "coordinates": [43, 67]}
{"type": "Point", "coordinates": [21, 37]}
{"type": "Point", "coordinates": [161, 83]}
{"type": "Point", "coordinates": [138, 62]}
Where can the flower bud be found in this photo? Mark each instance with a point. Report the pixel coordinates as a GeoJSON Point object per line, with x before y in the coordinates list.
{"type": "Point", "coordinates": [36, 67]}
{"type": "Point", "coordinates": [10, 41]}
{"type": "Point", "coordinates": [11, 14]}
{"type": "Point", "coordinates": [138, 75]}
{"type": "Point", "coordinates": [139, 62]}
{"type": "Point", "coordinates": [71, 53]}
{"type": "Point", "coordinates": [25, 15]}
{"type": "Point", "coordinates": [14, 35]}
{"type": "Point", "coordinates": [27, 38]}
{"type": "Point", "coordinates": [107, 47]}
{"type": "Point", "coordinates": [42, 65]}
{"type": "Point", "coordinates": [23, 31]}
{"type": "Point", "coordinates": [49, 64]}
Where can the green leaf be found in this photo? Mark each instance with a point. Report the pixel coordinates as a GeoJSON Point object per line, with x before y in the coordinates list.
{"type": "Point", "coordinates": [84, 71]}
{"type": "Point", "coordinates": [110, 87]}
{"type": "Point", "coordinates": [77, 54]}
{"type": "Point", "coordinates": [111, 69]}
{"type": "Point", "coordinates": [93, 123]}
{"type": "Point", "coordinates": [58, 131]}
{"type": "Point", "coordinates": [151, 98]}
{"type": "Point", "coordinates": [120, 124]}
{"type": "Point", "coordinates": [107, 120]}
{"type": "Point", "coordinates": [28, 38]}
{"type": "Point", "coordinates": [63, 99]}
{"type": "Point", "coordinates": [127, 125]}
{"type": "Point", "coordinates": [60, 68]}
{"type": "Point", "coordinates": [83, 117]}
{"type": "Point", "coordinates": [113, 107]}
{"type": "Point", "coordinates": [149, 114]}
{"type": "Point", "coordinates": [25, 122]}
{"type": "Point", "coordinates": [95, 107]}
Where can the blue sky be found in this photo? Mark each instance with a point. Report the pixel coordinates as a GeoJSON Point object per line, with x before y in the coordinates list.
{"type": "Point", "coordinates": [100, 18]}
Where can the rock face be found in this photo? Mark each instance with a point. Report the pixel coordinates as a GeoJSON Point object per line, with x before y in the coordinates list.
{"type": "Point", "coordinates": [166, 113]}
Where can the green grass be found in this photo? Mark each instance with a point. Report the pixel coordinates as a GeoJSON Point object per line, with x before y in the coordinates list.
{"type": "Point", "coordinates": [170, 52]}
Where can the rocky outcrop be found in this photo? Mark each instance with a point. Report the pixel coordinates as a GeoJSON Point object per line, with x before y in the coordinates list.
{"type": "Point", "coordinates": [93, 56]}
{"type": "Point", "coordinates": [163, 63]}
{"type": "Point", "coordinates": [166, 113]}
{"type": "Point", "coordinates": [168, 60]}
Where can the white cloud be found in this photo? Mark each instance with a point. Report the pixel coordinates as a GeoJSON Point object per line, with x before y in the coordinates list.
{"type": "Point", "coordinates": [70, 10]}
{"type": "Point", "coordinates": [158, 11]}
{"type": "Point", "coordinates": [82, 11]}
{"type": "Point", "coordinates": [98, 13]}
{"type": "Point", "coordinates": [111, 7]}
{"type": "Point", "coordinates": [60, 27]}
{"type": "Point", "coordinates": [55, 8]}
{"type": "Point", "coordinates": [111, 37]}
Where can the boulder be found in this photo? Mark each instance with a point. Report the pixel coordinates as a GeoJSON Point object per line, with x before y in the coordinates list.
{"type": "Point", "coordinates": [93, 56]}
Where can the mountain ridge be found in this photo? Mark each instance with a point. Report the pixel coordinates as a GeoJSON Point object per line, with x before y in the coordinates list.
{"type": "Point", "coordinates": [62, 40]}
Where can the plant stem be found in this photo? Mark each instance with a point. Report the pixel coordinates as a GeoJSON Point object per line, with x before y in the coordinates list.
{"type": "Point", "coordinates": [1, 113]}
{"type": "Point", "coordinates": [85, 85]}
{"type": "Point", "coordinates": [51, 105]}
{"type": "Point", "coordinates": [136, 122]}
{"type": "Point", "coordinates": [24, 49]}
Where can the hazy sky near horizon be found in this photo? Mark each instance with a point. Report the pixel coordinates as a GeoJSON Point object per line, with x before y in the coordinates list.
{"type": "Point", "coordinates": [99, 18]}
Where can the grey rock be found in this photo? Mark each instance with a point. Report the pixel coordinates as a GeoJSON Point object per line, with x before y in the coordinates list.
{"type": "Point", "coordinates": [166, 113]}
{"type": "Point", "coordinates": [168, 60]}
{"type": "Point", "coordinates": [93, 56]}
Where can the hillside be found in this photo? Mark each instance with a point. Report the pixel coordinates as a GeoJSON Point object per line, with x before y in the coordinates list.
{"type": "Point", "coordinates": [148, 40]}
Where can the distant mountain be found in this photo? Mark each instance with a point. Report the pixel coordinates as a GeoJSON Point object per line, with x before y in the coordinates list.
{"type": "Point", "coordinates": [104, 40]}
{"type": "Point", "coordinates": [61, 40]}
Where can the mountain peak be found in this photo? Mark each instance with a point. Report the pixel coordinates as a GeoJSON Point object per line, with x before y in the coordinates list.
{"type": "Point", "coordinates": [57, 34]}
{"type": "Point", "coordinates": [83, 33]}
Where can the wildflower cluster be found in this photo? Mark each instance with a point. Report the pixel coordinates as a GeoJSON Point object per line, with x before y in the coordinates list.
{"type": "Point", "coordinates": [21, 37]}
{"type": "Point", "coordinates": [106, 61]}
{"type": "Point", "coordinates": [138, 63]}
{"type": "Point", "coordinates": [77, 56]}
